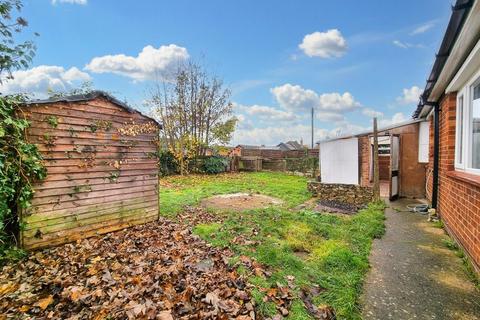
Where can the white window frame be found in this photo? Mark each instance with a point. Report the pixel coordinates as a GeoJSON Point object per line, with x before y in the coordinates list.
{"type": "Point", "coordinates": [460, 121]}
{"type": "Point", "coordinates": [467, 93]}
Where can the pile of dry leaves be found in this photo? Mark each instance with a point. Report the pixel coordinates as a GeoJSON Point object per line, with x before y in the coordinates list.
{"type": "Point", "coordinates": [158, 270]}
{"type": "Point", "coordinates": [154, 271]}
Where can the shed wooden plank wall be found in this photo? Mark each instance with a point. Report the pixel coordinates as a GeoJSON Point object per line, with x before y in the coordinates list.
{"type": "Point", "coordinates": [101, 175]}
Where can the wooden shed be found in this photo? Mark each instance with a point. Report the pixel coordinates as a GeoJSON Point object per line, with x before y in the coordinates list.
{"type": "Point", "coordinates": [102, 172]}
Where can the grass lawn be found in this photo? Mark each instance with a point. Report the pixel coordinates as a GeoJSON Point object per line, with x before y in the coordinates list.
{"type": "Point", "coordinates": [316, 249]}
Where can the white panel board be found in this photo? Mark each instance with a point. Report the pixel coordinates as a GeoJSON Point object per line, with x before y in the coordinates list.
{"type": "Point", "coordinates": [394, 186]}
{"type": "Point", "coordinates": [394, 153]}
{"type": "Point", "coordinates": [423, 142]}
{"type": "Point", "coordinates": [339, 161]}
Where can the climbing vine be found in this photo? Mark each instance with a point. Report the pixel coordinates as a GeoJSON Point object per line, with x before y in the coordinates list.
{"type": "Point", "coordinates": [20, 164]}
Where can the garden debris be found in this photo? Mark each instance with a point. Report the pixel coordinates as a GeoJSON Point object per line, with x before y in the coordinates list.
{"type": "Point", "coordinates": [192, 216]}
{"type": "Point", "coordinates": [334, 206]}
{"type": "Point", "coordinates": [281, 296]}
{"type": "Point", "coordinates": [317, 312]}
{"type": "Point", "coordinates": [137, 273]}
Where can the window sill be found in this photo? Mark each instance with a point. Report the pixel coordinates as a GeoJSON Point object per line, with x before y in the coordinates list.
{"type": "Point", "coordinates": [465, 176]}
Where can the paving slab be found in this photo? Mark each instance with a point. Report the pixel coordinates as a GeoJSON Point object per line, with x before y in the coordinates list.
{"type": "Point", "coordinates": [413, 275]}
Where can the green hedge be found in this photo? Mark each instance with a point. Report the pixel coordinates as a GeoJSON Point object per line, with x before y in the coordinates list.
{"type": "Point", "coordinates": [302, 164]}
{"type": "Point", "coordinates": [207, 164]}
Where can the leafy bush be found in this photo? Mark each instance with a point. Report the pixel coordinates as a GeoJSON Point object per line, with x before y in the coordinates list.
{"type": "Point", "coordinates": [20, 164]}
{"type": "Point", "coordinates": [304, 164]}
{"type": "Point", "coordinates": [214, 165]}
{"type": "Point", "coordinates": [168, 163]}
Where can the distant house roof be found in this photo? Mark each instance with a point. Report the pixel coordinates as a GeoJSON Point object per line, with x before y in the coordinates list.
{"type": "Point", "coordinates": [92, 96]}
{"type": "Point", "coordinates": [290, 145]}
{"type": "Point", "coordinates": [252, 147]}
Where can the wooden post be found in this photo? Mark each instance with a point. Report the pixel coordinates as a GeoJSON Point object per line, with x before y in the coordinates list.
{"type": "Point", "coordinates": [376, 171]}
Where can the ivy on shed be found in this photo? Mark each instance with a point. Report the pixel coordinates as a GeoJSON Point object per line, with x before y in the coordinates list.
{"type": "Point", "coordinates": [20, 164]}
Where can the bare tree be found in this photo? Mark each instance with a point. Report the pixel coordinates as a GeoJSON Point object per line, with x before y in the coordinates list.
{"type": "Point", "coordinates": [195, 111]}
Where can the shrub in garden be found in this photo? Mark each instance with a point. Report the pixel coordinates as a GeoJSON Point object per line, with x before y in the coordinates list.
{"type": "Point", "coordinates": [168, 163]}
{"type": "Point", "coordinates": [214, 165]}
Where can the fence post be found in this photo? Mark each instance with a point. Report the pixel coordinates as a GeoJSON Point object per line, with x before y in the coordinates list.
{"type": "Point", "coordinates": [376, 171]}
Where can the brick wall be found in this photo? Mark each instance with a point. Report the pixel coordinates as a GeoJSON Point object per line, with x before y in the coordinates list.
{"type": "Point", "coordinates": [384, 167]}
{"type": "Point", "coordinates": [364, 154]}
{"type": "Point", "coordinates": [458, 193]}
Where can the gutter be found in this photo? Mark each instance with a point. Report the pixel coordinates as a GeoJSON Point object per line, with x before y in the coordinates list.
{"type": "Point", "coordinates": [460, 13]}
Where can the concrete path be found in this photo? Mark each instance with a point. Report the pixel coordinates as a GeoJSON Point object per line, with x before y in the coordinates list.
{"type": "Point", "coordinates": [414, 276]}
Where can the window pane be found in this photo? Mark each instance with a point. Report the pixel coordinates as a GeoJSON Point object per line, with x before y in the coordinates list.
{"type": "Point", "coordinates": [460, 130]}
{"type": "Point", "coordinates": [476, 92]}
{"type": "Point", "coordinates": [476, 127]}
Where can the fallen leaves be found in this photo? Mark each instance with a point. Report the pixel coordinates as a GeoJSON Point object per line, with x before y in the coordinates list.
{"type": "Point", "coordinates": [7, 288]}
{"type": "Point", "coordinates": [321, 312]}
{"type": "Point", "coordinates": [154, 271]}
{"type": "Point", "coordinates": [42, 303]}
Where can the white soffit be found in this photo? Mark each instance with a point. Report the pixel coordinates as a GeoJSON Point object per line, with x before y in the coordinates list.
{"type": "Point", "coordinates": [468, 69]}
{"type": "Point", "coordinates": [468, 34]}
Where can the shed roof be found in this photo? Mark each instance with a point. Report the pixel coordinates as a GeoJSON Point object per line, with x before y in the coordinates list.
{"type": "Point", "coordinates": [92, 95]}
{"type": "Point", "coordinates": [365, 133]}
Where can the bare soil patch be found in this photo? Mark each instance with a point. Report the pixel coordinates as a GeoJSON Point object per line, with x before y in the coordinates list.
{"type": "Point", "coordinates": [240, 201]}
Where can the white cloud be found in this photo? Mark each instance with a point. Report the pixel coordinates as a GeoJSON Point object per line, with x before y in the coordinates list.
{"type": "Point", "coordinates": [329, 116]}
{"type": "Point", "coordinates": [406, 45]}
{"type": "Point", "coordinates": [293, 97]}
{"type": "Point", "coordinates": [396, 118]}
{"type": "Point", "coordinates": [273, 135]}
{"type": "Point", "coordinates": [81, 2]}
{"type": "Point", "coordinates": [410, 96]}
{"type": "Point", "coordinates": [372, 113]}
{"type": "Point", "coordinates": [244, 123]}
{"type": "Point", "coordinates": [39, 80]}
{"type": "Point", "coordinates": [401, 44]}
{"type": "Point", "coordinates": [423, 28]}
{"type": "Point", "coordinates": [330, 44]}
{"type": "Point", "coordinates": [338, 102]}
{"type": "Point", "coordinates": [270, 113]}
{"type": "Point", "coordinates": [346, 128]}
{"type": "Point", "coordinates": [149, 63]}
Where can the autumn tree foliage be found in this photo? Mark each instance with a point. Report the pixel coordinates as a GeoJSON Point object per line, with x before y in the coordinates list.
{"type": "Point", "coordinates": [195, 111]}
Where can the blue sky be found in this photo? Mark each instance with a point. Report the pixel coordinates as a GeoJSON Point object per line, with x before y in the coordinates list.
{"type": "Point", "coordinates": [348, 59]}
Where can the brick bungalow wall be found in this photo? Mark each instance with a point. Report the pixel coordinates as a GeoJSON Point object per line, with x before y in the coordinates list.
{"type": "Point", "coordinates": [458, 193]}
